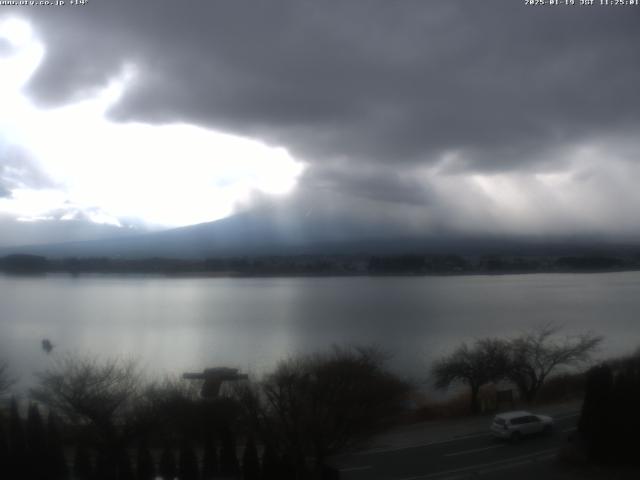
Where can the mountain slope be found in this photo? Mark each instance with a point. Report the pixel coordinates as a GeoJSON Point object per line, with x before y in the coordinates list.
{"type": "Point", "coordinates": [250, 234]}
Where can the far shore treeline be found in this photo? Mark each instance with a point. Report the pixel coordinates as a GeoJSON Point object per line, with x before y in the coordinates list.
{"type": "Point", "coordinates": [317, 265]}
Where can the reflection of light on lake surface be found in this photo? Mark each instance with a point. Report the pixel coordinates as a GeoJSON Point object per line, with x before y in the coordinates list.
{"type": "Point", "coordinates": [174, 325]}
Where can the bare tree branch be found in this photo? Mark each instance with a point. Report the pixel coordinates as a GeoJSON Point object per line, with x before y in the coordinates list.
{"type": "Point", "coordinates": [536, 354]}
{"type": "Point", "coordinates": [84, 390]}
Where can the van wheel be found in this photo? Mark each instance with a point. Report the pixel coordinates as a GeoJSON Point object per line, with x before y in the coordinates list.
{"type": "Point", "coordinates": [516, 437]}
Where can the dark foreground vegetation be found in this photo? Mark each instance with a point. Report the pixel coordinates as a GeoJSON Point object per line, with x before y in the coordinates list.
{"type": "Point", "coordinates": [104, 422]}
{"type": "Point", "coordinates": [609, 424]}
{"type": "Point", "coordinates": [325, 264]}
{"type": "Point", "coordinates": [91, 419]}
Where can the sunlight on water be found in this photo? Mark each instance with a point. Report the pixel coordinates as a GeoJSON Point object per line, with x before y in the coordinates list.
{"type": "Point", "coordinates": [175, 325]}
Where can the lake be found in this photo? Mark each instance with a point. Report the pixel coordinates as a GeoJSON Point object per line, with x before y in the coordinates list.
{"type": "Point", "coordinates": [174, 325]}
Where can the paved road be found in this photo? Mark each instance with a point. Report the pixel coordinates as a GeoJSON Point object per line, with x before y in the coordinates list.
{"type": "Point", "coordinates": [474, 456]}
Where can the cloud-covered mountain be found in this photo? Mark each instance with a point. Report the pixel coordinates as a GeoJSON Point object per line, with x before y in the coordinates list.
{"type": "Point", "coordinates": [255, 234]}
{"type": "Point", "coordinates": [248, 233]}
{"type": "Point", "coordinates": [48, 231]}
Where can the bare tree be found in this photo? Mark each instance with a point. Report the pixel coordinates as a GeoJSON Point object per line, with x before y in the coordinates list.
{"type": "Point", "coordinates": [483, 362]}
{"type": "Point", "coordinates": [320, 404]}
{"type": "Point", "coordinates": [6, 382]}
{"type": "Point", "coordinates": [85, 389]}
{"type": "Point", "coordinates": [101, 394]}
{"type": "Point", "coordinates": [536, 354]}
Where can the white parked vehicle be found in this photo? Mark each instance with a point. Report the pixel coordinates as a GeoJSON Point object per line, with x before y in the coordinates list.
{"type": "Point", "coordinates": [515, 425]}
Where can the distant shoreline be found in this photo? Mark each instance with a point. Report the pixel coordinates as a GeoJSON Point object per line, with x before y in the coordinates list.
{"type": "Point", "coordinates": [410, 265]}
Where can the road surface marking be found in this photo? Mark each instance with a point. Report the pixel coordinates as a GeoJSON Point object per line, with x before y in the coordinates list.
{"type": "Point", "coordinates": [474, 450]}
{"type": "Point", "coordinates": [355, 469]}
{"type": "Point", "coordinates": [512, 460]}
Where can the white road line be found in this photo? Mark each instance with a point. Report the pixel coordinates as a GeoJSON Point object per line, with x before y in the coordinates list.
{"type": "Point", "coordinates": [512, 461]}
{"type": "Point", "coordinates": [474, 450]}
{"type": "Point", "coordinates": [355, 469]}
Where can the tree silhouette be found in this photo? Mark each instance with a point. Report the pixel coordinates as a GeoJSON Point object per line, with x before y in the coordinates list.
{"type": "Point", "coordinates": [106, 466]}
{"type": "Point", "coordinates": [594, 416]}
{"type": "Point", "coordinates": [145, 465]}
{"type": "Point", "coordinates": [250, 461]}
{"type": "Point", "coordinates": [609, 420]}
{"type": "Point", "coordinates": [167, 468]}
{"type": "Point", "coordinates": [56, 462]}
{"type": "Point", "coordinates": [289, 468]}
{"type": "Point", "coordinates": [188, 462]}
{"type": "Point", "coordinates": [270, 463]}
{"type": "Point", "coordinates": [125, 470]}
{"type": "Point", "coordinates": [536, 354]}
{"type": "Point", "coordinates": [100, 394]}
{"type": "Point", "coordinates": [82, 466]}
{"type": "Point", "coordinates": [229, 465]}
{"type": "Point", "coordinates": [210, 459]}
{"type": "Point", "coordinates": [485, 361]}
{"type": "Point", "coordinates": [36, 444]}
{"type": "Point", "coordinates": [18, 461]}
{"type": "Point", "coordinates": [85, 390]}
{"type": "Point", "coordinates": [318, 405]}
{"type": "Point", "coordinates": [4, 451]}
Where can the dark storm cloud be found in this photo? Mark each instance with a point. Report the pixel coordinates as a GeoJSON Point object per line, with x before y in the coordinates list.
{"type": "Point", "coordinates": [386, 82]}
{"type": "Point", "coordinates": [468, 116]}
{"type": "Point", "coordinates": [380, 184]}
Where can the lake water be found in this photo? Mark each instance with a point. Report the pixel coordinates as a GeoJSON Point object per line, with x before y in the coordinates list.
{"type": "Point", "coordinates": [174, 325]}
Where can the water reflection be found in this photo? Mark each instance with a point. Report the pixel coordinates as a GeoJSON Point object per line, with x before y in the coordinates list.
{"type": "Point", "coordinates": [174, 325]}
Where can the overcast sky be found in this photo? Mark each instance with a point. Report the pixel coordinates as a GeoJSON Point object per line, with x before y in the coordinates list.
{"type": "Point", "coordinates": [457, 116]}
